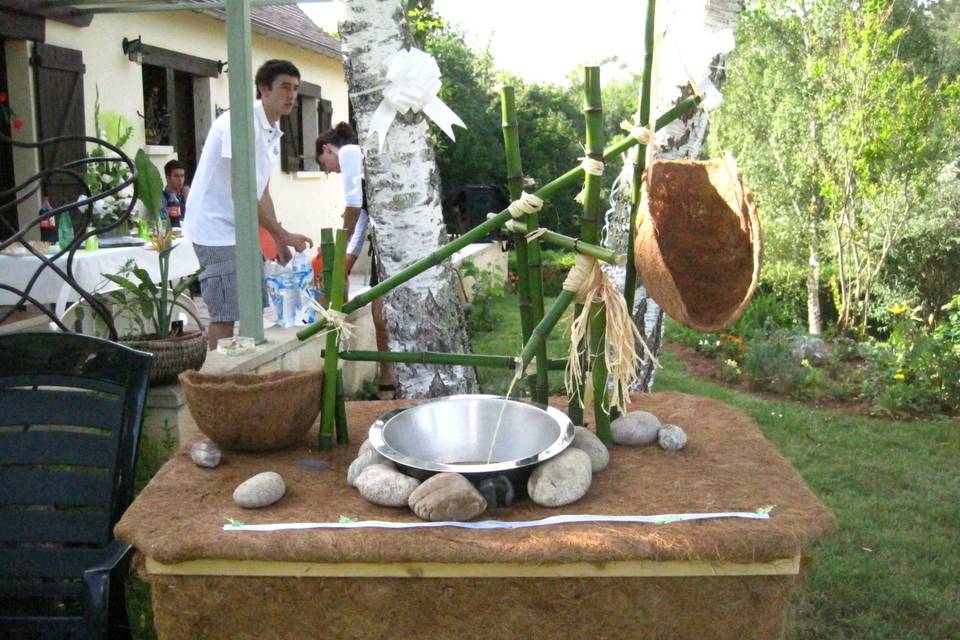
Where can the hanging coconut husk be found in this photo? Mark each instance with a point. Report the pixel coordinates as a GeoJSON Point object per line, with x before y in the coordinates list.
{"type": "Point", "coordinates": [698, 246]}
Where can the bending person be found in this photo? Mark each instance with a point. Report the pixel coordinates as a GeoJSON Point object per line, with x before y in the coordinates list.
{"type": "Point", "coordinates": [211, 224]}
{"type": "Point", "coordinates": [338, 152]}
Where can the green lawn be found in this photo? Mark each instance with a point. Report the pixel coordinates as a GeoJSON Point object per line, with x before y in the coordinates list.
{"type": "Point", "coordinates": [892, 571]}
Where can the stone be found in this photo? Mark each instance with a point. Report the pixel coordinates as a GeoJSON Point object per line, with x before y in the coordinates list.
{"type": "Point", "coordinates": [497, 491]}
{"type": "Point", "coordinates": [447, 496]}
{"type": "Point", "coordinates": [205, 454]}
{"type": "Point", "coordinates": [672, 437]}
{"type": "Point", "coordinates": [363, 461]}
{"type": "Point", "coordinates": [810, 348]}
{"type": "Point", "coordinates": [384, 485]}
{"type": "Point", "coordinates": [261, 490]}
{"type": "Point", "coordinates": [635, 428]}
{"type": "Point", "coordinates": [561, 480]}
{"type": "Point", "coordinates": [366, 446]}
{"type": "Point", "coordinates": [587, 441]}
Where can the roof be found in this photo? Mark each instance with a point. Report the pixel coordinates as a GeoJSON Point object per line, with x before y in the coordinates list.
{"type": "Point", "coordinates": [289, 23]}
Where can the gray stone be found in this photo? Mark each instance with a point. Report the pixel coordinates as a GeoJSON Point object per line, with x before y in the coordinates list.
{"type": "Point", "coordinates": [561, 480]}
{"type": "Point", "coordinates": [205, 454]}
{"type": "Point", "coordinates": [447, 496]}
{"type": "Point", "coordinates": [809, 348]}
{"type": "Point", "coordinates": [587, 441]}
{"type": "Point", "coordinates": [384, 485]}
{"type": "Point", "coordinates": [635, 428]}
{"type": "Point", "coordinates": [261, 490]}
{"type": "Point", "coordinates": [366, 446]}
{"type": "Point", "coordinates": [672, 437]}
{"type": "Point", "coordinates": [497, 491]}
{"type": "Point", "coordinates": [363, 461]}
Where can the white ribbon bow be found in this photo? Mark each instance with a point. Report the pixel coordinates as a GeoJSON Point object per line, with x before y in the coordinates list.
{"type": "Point", "coordinates": [413, 82]}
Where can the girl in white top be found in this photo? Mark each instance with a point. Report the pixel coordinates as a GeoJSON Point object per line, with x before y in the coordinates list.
{"type": "Point", "coordinates": [338, 152]}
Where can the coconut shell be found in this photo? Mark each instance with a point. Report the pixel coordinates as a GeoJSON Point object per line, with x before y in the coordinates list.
{"type": "Point", "coordinates": [698, 247]}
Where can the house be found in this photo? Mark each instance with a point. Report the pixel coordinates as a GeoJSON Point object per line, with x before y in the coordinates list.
{"type": "Point", "coordinates": [166, 71]}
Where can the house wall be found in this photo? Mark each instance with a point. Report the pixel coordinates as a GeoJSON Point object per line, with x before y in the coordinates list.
{"type": "Point", "coordinates": [306, 201]}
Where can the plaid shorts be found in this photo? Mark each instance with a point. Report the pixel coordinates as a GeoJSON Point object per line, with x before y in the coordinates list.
{"type": "Point", "coordinates": [218, 281]}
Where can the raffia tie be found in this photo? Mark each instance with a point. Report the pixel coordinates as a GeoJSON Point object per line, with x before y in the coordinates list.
{"type": "Point", "coordinates": [535, 234]}
{"type": "Point", "coordinates": [336, 320]}
{"type": "Point", "coordinates": [643, 135]}
{"type": "Point", "coordinates": [590, 285]}
{"type": "Point", "coordinates": [525, 205]}
{"type": "Point", "coordinates": [594, 168]}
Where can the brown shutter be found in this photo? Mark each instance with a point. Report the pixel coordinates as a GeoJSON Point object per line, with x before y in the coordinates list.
{"type": "Point", "coordinates": [325, 113]}
{"type": "Point", "coordinates": [291, 144]}
{"type": "Point", "coordinates": [59, 82]}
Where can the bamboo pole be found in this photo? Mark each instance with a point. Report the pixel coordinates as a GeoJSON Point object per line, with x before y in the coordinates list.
{"type": "Point", "coordinates": [335, 289]}
{"type": "Point", "coordinates": [630, 282]}
{"type": "Point", "coordinates": [542, 331]}
{"type": "Point", "coordinates": [590, 232]}
{"type": "Point", "coordinates": [574, 244]}
{"type": "Point", "coordinates": [481, 230]}
{"type": "Point", "coordinates": [454, 359]}
{"type": "Point", "coordinates": [340, 413]}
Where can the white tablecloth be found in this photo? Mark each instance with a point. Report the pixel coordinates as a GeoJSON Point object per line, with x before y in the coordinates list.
{"type": "Point", "coordinates": [88, 267]}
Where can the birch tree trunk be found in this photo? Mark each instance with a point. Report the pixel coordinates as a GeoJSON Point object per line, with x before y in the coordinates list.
{"type": "Point", "coordinates": [404, 205]}
{"type": "Point", "coordinates": [684, 139]}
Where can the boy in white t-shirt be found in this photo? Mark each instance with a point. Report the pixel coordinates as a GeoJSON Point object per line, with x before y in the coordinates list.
{"type": "Point", "coordinates": [211, 224]}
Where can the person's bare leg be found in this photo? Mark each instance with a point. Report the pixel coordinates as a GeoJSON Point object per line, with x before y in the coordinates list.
{"type": "Point", "coordinates": [218, 330]}
{"type": "Point", "coordinates": [388, 375]}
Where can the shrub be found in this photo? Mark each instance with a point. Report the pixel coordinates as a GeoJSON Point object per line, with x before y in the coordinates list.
{"type": "Point", "coordinates": [479, 312]}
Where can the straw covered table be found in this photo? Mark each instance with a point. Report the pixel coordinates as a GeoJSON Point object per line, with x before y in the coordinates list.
{"type": "Point", "coordinates": [723, 578]}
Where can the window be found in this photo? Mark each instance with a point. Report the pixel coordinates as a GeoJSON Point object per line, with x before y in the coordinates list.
{"type": "Point", "coordinates": [311, 115]}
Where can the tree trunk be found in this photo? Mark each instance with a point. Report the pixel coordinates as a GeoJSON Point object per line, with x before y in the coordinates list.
{"type": "Point", "coordinates": [403, 196]}
{"type": "Point", "coordinates": [814, 318]}
{"type": "Point", "coordinates": [685, 138]}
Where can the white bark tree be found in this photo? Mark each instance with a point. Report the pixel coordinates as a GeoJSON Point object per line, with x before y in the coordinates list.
{"type": "Point", "coordinates": [404, 205]}
{"type": "Point", "coordinates": [683, 139]}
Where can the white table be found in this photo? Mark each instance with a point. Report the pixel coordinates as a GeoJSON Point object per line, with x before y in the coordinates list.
{"type": "Point", "coordinates": [88, 270]}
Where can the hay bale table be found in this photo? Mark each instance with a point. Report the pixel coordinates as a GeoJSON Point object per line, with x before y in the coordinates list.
{"type": "Point", "coordinates": [728, 578]}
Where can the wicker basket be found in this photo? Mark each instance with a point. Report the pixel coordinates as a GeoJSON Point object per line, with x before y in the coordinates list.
{"type": "Point", "coordinates": [698, 245]}
{"type": "Point", "coordinates": [254, 411]}
{"type": "Point", "coordinates": [173, 355]}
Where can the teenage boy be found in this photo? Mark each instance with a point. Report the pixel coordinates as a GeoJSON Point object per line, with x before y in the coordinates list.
{"type": "Point", "coordinates": [211, 225]}
{"type": "Point", "coordinates": [173, 201]}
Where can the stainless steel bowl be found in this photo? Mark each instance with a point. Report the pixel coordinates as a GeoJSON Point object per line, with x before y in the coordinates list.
{"type": "Point", "coordinates": [455, 435]}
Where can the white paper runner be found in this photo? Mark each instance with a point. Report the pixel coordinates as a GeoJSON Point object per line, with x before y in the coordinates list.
{"type": "Point", "coordinates": [762, 513]}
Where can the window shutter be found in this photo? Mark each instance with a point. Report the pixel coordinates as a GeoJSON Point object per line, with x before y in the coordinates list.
{"type": "Point", "coordinates": [291, 144]}
{"type": "Point", "coordinates": [325, 109]}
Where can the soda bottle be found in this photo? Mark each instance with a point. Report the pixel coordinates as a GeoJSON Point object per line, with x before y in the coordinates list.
{"type": "Point", "coordinates": [48, 227]}
{"type": "Point", "coordinates": [173, 211]}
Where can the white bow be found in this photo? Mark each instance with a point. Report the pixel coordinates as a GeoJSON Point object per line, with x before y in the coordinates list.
{"type": "Point", "coordinates": [413, 82]}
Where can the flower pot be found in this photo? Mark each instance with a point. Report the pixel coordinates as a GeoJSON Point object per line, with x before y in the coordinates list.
{"type": "Point", "coordinates": [173, 355]}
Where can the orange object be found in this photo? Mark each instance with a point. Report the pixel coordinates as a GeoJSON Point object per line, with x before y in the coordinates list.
{"type": "Point", "coordinates": [267, 246]}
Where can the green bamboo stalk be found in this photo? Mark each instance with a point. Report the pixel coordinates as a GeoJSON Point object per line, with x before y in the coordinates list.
{"type": "Point", "coordinates": [598, 345]}
{"type": "Point", "coordinates": [335, 289]}
{"type": "Point", "coordinates": [574, 244]}
{"type": "Point", "coordinates": [511, 148]}
{"type": "Point", "coordinates": [543, 329]}
{"type": "Point", "coordinates": [630, 282]}
{"type": "Point", "coordinates": [454, 359]}
{"type": "Point", "coordinates": [481, 230]}
{"type": "Point", "coordinates": [340, 413]}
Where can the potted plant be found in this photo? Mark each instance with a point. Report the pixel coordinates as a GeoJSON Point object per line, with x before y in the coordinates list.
{"type": "Point", "coordinates": [156, 303]}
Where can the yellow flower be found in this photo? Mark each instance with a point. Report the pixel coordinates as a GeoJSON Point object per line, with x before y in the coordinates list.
{"type": "Point", "coordinates": [898, 309]}
{"type": "Point", "coordinates": [899, 376]}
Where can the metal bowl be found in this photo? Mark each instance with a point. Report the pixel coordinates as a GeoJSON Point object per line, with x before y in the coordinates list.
{"type": "Point", "coordinates": [456, 435]}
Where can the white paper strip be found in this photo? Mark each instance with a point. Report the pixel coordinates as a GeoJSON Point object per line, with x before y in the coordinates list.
{"type": "Point", "coordinates": [760, 514]}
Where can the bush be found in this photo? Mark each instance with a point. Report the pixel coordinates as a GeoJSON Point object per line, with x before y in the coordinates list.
{"type": "Point", "coordinates": [554, 266]}
{"type": "Point", "coordinates": [769, 365]}
{"type": "Point", "coordinates": [486, 287]}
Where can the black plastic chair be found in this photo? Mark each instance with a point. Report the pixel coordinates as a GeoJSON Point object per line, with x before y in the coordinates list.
{"type": "Point", "coordinates": [71, 409]}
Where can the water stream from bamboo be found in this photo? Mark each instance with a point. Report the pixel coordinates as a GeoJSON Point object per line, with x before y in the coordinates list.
{"type": "Point", "coordinates": [516, 376]}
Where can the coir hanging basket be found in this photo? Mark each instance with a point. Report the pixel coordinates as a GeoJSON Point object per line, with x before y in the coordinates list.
{"type": "Point", "coordinates": [698, 247]}
{"type": "Point", "coordinates": [172, 355]}
{"type": "Point", "coordinates": [254, 411]}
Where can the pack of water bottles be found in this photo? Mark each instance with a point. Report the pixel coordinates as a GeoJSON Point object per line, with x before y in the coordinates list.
{"type": "Point", "coordinates": [290, 288]}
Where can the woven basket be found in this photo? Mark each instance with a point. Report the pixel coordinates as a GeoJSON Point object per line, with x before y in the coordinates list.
{"type": "Point", "coordinates": [698, 247]}
{"type": "Point", "coordinates": [254, 411]}
{"type": "Point", "coordinates": [173, 355]}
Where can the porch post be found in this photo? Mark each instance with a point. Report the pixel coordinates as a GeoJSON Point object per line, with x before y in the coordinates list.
{"type": "Point", "coordinates": [249, 274]}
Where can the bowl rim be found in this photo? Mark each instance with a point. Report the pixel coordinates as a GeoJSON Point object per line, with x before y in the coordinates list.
{"type": "Point", "coordinates": [380, 445]}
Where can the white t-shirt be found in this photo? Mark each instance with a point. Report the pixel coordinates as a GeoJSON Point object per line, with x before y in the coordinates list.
{"type": "Point", "coordinates": [351, 172]}
{"type": "Point", "coordinates": [211, 220]}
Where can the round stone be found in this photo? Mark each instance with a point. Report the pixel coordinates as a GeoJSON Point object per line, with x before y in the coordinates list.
{"type": "Point", "coordinates": [205, 454]}
{"type": "Point", "coordinates": [635, 428]}
{"type": "Point", "coordinates": [561, 480]}
{"type": "Point", "coordinates": [261, 490]}
{"type": "Point", "coordinates": [447, 496]}
{"type": "Point", "coordinates": [587, 441]}
{"type": "Point", "coordinates": [497, 491]}
{"type": "Point", "coordinates": [364, 460]}
{"type": "Point", "coordinates": [384, 485]}
{"type": "Point", "coordinates": [672, 437]}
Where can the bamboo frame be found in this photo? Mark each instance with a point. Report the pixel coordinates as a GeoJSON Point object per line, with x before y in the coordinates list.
{"type": "Point", "coordinates": [573, 244]}
{"type": "Point", "coordinates": [335, 289]}
{"type": "Point", "coordinates": [450, 359]}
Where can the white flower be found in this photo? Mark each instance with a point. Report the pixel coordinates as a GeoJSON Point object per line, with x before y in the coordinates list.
{"type": "Point", "coordinates": [106, 178]}
{"type": "Point", "coordinates": [109, 200]}
{"type": "Point", "coordinates": [126, 192]}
